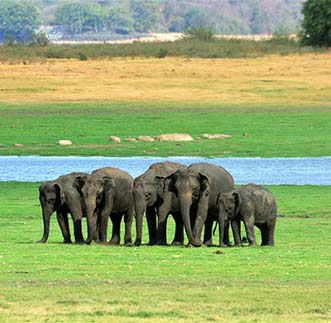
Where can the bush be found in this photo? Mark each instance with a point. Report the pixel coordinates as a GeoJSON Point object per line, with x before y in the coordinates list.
{"type": "Point", "coordinates": [200, 33]}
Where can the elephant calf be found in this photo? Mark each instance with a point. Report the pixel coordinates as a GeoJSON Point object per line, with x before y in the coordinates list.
{"type": "Point", "coordinates": [254, 205]}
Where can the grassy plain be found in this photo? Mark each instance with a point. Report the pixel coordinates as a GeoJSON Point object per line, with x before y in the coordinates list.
{"type": "Point", "coordinates": [280, 103]}
{"type": "Point", "coordinates": [78, 283]}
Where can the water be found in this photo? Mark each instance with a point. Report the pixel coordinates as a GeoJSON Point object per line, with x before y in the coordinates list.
{"type": "Point", "coordinates": [291, 171]}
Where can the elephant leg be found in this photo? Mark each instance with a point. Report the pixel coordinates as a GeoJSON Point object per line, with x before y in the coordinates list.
{"type": "Point", "coordinates": [264, 233]}
{"type": "Point", "coordinates": [271, 232]}
{"type": "Point", "coordinates": [128, 218]}
{"type": "Point", "coordinates": [76, 214]}
{"type": "Point", "coordinates": [235, 225]}
{"type": "Point", "coordinates": [116, 220]}
{"type": "Point", "coordinates": [179, 234]}
{"type": "Point", "coordinates": [151, 222]}
{"type": "Point", "coordinates": [208, 238]}
{"type": "Point", "coordinates": [162, 227]}
{"type": "Point", "coordinates": [62, 219]}
{"type": "Point", "coordinates": [249, 226]}
{"type": "Point", "coordinates": [200, 220]}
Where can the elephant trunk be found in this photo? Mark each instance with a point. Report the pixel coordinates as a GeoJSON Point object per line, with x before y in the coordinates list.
{"type": "Point", "coordinates": [185, 201]}
{"type": "Point", "coordinates": [140, 208]}
{"type": "Point", "coordinates": [91, 216]}
{"type": "Point", "coordinates": [222, 232]}
{"type": "Point", "coordinates": [46, 220]}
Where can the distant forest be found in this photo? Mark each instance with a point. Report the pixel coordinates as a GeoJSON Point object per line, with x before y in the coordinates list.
{"type": "Point", "coordinates": [127, 16]}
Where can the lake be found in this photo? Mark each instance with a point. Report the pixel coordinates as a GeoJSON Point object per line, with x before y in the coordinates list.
{"type": "Point", "coordinates": [268, 171]}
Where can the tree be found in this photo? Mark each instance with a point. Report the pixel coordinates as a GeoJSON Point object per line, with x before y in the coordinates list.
{"type": "Point", "coordinates": [195, 18]}
{"type": "Point", "coordinates": [120, 21]}
{"type": "Point", "coordinates": [76, 17]}
{"type": "Point", "coordinates": [144, 14]}
{"type": "Point", "coordinates": [316, 24]}
{"type": "Point", "coordinates": [18, 20]}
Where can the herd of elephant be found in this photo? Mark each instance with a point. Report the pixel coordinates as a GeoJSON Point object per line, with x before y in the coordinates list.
{"type": "Point", "coordinates": [195, 195]}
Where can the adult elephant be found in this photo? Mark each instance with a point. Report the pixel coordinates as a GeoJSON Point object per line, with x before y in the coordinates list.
{"type": "Point", "coordinates": [61, 196]}
{"type": "Point", "coordinates": [254, 205]}
{"type": "Point", "coordinates": [198, 188]}
{"type": "Point", "coordinates": [149, 197]}
{"type": "Point", "coordinates": [107, 192]}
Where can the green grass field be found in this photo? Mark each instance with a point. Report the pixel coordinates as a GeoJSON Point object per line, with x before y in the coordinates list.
{"type": "Point", "coordinates": [255, 131]}
{"type": "Point", "coordinates": [54, 282]}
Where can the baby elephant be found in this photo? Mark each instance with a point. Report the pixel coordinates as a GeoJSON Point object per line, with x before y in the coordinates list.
{"type": "Point", "coordinates": [254, 205]}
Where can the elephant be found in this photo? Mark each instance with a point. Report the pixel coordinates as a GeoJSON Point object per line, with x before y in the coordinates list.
{"type": "Point", "coordinates": [198, 187]}
{"type": "Point", "coordinates": [59, 195]}
{"type": "Point", "coordinates": [254, 205]}
{"type": "Point", "coordinates": [107, 192]}
{"type": "Point", "coordinates": [149, 198]}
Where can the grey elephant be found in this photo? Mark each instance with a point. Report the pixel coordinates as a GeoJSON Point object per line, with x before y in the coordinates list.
{"type": "Point", "coordinates": [107, 192]}
{"type": "Point", "coordinates": [149, 198]}
{"type": "Point", "coordinates": [198, 187]}
{"type": "Point", "coordinates": [254, 205]}
{"type": "Point", "coordinates": [59, 195]}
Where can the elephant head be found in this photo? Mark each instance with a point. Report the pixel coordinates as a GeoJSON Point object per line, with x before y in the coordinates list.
{"type": "Point", "coordinates": [146, 192]}
{"type": "Point", "coordinates": [228, 208]}
{"type": "Point", "coordinates": [51, 198]}
{"type": "Point", "coordinates": [96, 192]}
{"type": "Point", "coordinates": [229, 205]}
{"type": "Point", "coordinates": [192, 189]}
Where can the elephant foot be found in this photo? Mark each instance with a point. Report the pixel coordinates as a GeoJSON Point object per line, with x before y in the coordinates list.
{"type": "Point", "coordinates": [41, 241]}
{"type": "Point", "coordinates": [137, 243]}
{"type": "Point", "coordinates": [224, 245]}
{"type": "Point", "coordinates": [161, 243]}
{"type": "Point", "coordinates": [177, 243]}
{"type": "Point", "coordinates": [208, 243]}
{"type": "Point", "coordinates": [67, 241]}
{"type": "Point", "coordinates": [128, 243]}
{"type": "Point", "coordinates": [152, 243]}
{"type": "Point", "coordinates": [113, 243]}
{"type": "Point", "coordinates": [239, 245]}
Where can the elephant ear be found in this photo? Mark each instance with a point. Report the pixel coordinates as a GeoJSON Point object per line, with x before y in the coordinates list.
{"type": "Point", "coordinates": [169, 183]}
{"type": "Point", "coordinates": [108, 183]}
{"type": "Point", "coordinates": [236, 197]}
{"type": "Point", "coordinates": [59, 194]}
{"type": "Point", "coordinates": [79, 182]}
{"type": "Point", "coordinates": [204, 184]}
{"type": "Point", "coordinates": [159, 183]}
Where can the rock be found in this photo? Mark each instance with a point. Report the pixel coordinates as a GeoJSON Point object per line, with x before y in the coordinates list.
{"type": "Point", "coordinates": [131, 139]}
{"type": "Point", "coordinates": [174, 137]}
{"type": "Point", "coordinates": [18, 145]}
{"type": "Point", "coordinates": [215, 136]}
{"type": "Point", "coordinates": [64, 142]}
{"type": "Point", "coordinates": [114, 139]}
{"type": "Point", "coordinates": [2, 145]}
{"type": "Point", "coordinates": [145, 138]}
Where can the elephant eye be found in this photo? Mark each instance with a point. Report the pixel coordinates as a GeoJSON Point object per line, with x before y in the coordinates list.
{"type": "Point", "coordinates": [51, 201]}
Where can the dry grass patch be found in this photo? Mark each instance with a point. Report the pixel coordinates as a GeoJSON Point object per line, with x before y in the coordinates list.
{"type": "Point", "coordinates": [292, 80]}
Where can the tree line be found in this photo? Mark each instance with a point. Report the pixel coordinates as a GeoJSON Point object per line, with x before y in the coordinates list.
{"type": "Point", "coordinates": [19, 20]}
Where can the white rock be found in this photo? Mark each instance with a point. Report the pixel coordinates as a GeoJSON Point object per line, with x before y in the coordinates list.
{"type": "Point", "coordinates": [175, 137]}
{"type": "Point", "coordinates": [215, 136]}
{"type": "Point", "coordinates": [131, 139]}
{"type": "Point", "coordinates": [146, 138]}
{"type": "Point", "coordinates": [114, 139]}
{"type": "Point", "coordinates": [64, 142]}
